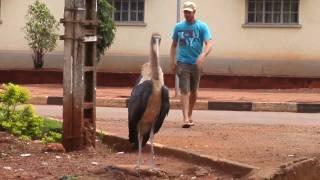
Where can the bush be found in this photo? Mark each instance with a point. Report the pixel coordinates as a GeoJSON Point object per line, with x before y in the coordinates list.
{"type": "Point", "coordinates": [40, 31]}
{"type": "Point", "coordinates": [10, 98]}
{"type": "Point", "coordinates": [19, 118]}
{"type": "Point", "coordinates": [24, 122]}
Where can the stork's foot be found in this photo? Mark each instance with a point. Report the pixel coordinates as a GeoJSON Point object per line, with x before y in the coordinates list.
{"type": "Point", "coordinates": [137, 167]}
{"type": "Point", "coordinates": [138, 170]}
{"type": "Point", "coordinates": [153, 166]}
{"type": "Point", "coordinates": [149, 171]}
{"type": "Point", "coordinates": [154, 169]}
{"type": "Point", "coordinates": [157, 171]}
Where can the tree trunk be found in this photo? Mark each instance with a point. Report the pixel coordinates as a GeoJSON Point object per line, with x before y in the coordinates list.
{"type": "Point", "coordinates": [38, 58]}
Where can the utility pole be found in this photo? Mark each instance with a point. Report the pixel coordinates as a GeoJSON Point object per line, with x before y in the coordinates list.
{"type": "Point", "coordinates": [79, 74]}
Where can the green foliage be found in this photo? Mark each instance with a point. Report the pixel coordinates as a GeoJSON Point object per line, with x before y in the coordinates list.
{"type": "Point", "coordinates": [14, 95]}
{"type": "Point", "coordinates": [10, 98]}
{"type": "Point", "coordinates": [52, 130]}
{"type": "Point", "coordinates": [19, 118]}
{"type": "Point", "coordinates": [51, 137]}
{"type": "Point", "coordinates": [40, 31]}
{"type": "Point", "coordinates": [24, 138]}
{"type": "Point", "coordinates": [107, 27]}
{"type": "Point", "coordinates": [24, 122]}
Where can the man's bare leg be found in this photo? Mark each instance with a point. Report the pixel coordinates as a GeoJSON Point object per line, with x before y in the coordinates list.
{"type": "Point", "coordinates": [185, 108]}
{"type": "Point", "coordinates": [192, 102]}
{"type": "Point", "coordinates": [177, 89]}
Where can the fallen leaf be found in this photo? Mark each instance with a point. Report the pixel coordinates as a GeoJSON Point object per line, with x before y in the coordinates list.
{"type": "Point", "coordinates": [7, 168]}
{"type": "Point", "coordinates": [25, 155]}
{"type": "Point", "coordinates": [94, 163]}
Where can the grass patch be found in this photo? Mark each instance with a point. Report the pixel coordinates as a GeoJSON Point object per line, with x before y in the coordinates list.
{"type": "Point", "coordinates": [52, 130]}
{"type": "Point", "coordinates": [51, 125]}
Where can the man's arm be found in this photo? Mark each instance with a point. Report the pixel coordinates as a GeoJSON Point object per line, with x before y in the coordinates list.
{"type": "Point", "coordinates": [173, 52]}
{"type": "Point", "coordinates": [206, 52]}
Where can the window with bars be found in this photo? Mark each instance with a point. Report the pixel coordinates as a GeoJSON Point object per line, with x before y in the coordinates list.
{"type": "Point", "coordinates": [273, 12]}
{"type": "Point", "coordinates": [128, 10]}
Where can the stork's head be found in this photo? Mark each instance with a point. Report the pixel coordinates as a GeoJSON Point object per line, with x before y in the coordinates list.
{"type": "Point", "coordinates": [155, 43]}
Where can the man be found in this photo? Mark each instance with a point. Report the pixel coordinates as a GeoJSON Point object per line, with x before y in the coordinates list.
{"type": "Point", "coordinates": [189, 37]}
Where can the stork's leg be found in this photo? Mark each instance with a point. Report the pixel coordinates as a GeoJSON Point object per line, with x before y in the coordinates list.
{"type": "Point", "coordinates": [140, 151]}
{"type": "Point", "coordinates": [152, 161]}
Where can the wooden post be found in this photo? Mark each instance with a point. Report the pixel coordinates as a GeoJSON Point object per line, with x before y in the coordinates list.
{"type": "Point", "coordinates": [79, 76]}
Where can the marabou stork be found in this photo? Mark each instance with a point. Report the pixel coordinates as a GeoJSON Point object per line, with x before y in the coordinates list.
{"type": "Point", "coordinates": [149, 103]}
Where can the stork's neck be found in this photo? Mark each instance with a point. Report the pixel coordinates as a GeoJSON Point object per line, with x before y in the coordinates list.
{"type": "Point", "coordinates": [154, 62]}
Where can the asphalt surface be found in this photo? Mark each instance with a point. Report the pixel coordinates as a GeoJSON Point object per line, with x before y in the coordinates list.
{"type": "Point", "coordinates": [227, 117]}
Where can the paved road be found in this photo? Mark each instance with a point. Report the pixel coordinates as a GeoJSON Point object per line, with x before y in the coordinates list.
{"type": "Point", "coordinates": [229, 117]}
{"type": "Point", "coordinates": [258, 138]}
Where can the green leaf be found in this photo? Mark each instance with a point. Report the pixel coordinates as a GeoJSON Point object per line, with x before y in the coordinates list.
{"type": "Point", "coordinates": [107, 28]}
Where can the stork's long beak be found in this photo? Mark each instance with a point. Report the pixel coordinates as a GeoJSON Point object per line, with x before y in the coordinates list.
{"type": "Point", "coordinates": [157, 47]}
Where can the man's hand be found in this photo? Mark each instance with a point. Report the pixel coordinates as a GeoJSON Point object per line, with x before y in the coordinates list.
{"type": "Point", "coordinates": [173, 62]}
{"type": "Point", "coordinates": [201, 59]}
{"type": "Point", "coordinates": [173, 67]}
{"type": "Point", "coordinates": [203, 55]}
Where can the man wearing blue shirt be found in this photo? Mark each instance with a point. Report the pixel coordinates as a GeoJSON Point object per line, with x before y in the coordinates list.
{"type": "Point", "coordinates": [188, 39]}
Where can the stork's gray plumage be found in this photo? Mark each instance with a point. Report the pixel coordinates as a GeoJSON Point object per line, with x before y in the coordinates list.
{"type": "Point", "coordinates": [149, 102]}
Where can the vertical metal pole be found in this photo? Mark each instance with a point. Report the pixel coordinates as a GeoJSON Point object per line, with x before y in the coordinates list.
{"type": "Point", "coordinates": [178, 10]}
{"type": "Point", "coordinates": [177, 90]}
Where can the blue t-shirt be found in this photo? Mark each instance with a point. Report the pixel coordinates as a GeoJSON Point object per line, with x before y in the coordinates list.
{"type": "Point", "coordinates": [190, 38]}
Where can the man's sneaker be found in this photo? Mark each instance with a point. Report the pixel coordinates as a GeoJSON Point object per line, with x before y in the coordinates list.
{"type": "Point", "coordinates": [186, 125]}
{"type": "Point", "coordinates": [191, 123]}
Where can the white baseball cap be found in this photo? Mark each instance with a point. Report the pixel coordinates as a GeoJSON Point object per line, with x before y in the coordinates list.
{"type": "Point", "coordinates": [189, 6]}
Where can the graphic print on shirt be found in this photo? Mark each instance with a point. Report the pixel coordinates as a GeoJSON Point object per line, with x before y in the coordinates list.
{"type": "Point", "coordinates": [189, 38]}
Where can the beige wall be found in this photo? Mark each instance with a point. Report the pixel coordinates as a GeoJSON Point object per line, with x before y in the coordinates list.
{"type": "Point", "coordinates": [225, 18]}
{"type": "Point", "coordinates": [237, 50]}
{"type": "Point", "coordinates": [13, 19]}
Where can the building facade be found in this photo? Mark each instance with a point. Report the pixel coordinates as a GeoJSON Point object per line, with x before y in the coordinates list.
{"type": "Point", "coordinates": [251, 37]}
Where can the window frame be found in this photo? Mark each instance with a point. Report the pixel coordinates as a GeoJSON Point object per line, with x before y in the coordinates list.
{"type": "Point", "coordinates": [130, 22]}
{"type": "Point", "coordinates": [263, 24]}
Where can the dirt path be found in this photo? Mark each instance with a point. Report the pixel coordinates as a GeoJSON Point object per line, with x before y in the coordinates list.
{"type": "Point", "coordinates": [260, 145]}
{"type": "Point", "coordinates": [259, 95]}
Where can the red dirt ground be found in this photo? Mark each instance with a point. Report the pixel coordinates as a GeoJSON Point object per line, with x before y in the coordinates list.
{"type": "Point", "coordinates": [85, 164]}
{"type": "Point", "coordinates": [271, 95]}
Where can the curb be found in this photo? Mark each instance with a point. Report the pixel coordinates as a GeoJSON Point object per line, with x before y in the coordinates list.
{"type": "Point", "coordinates": [235, 168]}
{"type": "Point", "coordinates": [302, 168]}
{"type": "Point", "coordinates": [200, 105]}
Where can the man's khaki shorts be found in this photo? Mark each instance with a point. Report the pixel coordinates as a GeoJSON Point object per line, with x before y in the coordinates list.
{"type": "Point", "coordinates": [189, 77]}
